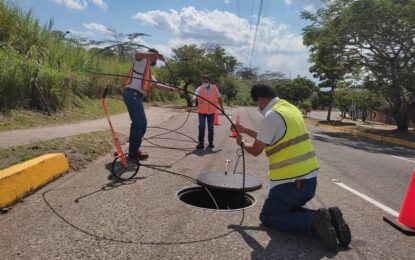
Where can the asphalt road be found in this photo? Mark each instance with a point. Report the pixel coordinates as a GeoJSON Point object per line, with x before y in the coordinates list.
{"type": "Point", "coordinates": [83, 215]}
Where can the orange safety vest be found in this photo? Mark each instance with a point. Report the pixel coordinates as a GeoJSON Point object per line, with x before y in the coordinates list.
{"type": "Point", "coordinates": [205, 107]}
{"type": "Point", "coordinates": [134, 76]}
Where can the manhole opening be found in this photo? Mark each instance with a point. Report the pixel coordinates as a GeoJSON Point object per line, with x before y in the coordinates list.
{"type": "Point", "coordinates": [216, 199]}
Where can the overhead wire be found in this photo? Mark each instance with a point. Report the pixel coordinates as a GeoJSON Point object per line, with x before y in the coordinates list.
{"type": "Point", "coordinates": [256, 31]}
{"type": "Point", "coordinates": [172, 86]}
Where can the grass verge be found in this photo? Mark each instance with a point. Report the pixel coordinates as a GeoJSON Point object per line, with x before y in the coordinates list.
{"type": "Point", "coordinates": [82, 109]}
{"type": "Point", "coordinates": [79, 149]}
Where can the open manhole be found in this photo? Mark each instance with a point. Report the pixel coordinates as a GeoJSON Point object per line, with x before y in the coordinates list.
{"type": "Point", "coordinates": [230, 182]}
{"type": "Point", "coordinates": [216, 199]}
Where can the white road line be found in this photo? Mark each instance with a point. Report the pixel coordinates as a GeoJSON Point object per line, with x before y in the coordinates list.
{"type": "Point", "coordinates": [325, 136]}
{"type": "Point", "coordinates": [403, 158]}
{"type": "Point", "coordinates": [363, 196]}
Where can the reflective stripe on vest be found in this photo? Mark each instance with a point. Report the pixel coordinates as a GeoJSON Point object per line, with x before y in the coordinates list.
{"type": "Point", "coordinates": [293, 155]}
{"type": "Point", "coordinates": [204, 107]}
{"type": "Point", "coordinates": [135, 77]}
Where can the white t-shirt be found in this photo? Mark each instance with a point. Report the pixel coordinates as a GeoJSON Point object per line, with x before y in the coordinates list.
{"type": "Point", "coordinates": [138, 73]}
{"type": "Point", "coordinates": [197, 92]}
{"type": "Point", "coordinates": [272, 128]}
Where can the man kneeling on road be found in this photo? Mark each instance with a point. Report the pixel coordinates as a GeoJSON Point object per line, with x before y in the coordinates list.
{"type": "Point", "coordinates": [292, 171]}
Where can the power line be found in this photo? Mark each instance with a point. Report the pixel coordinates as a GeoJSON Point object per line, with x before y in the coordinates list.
{"type": "Point", "coordinates": [252, 13]}
{"type": "Point", "coordinates": [256, 31]}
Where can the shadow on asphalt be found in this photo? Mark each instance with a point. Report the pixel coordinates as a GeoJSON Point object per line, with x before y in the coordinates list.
{"type": "Point", "coordinates": [363, 144]}
{"type": "Point", "coordinates": [282, 245]}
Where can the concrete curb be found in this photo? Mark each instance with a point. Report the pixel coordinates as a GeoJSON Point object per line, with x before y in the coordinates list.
{"type": "Point", "coordinates": [21, 179]}
{"type": "Point", "coordinates": [362, 134]}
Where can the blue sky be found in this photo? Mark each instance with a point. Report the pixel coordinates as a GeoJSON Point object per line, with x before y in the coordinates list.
{"type": "Point", "coordinates": [172, 23]}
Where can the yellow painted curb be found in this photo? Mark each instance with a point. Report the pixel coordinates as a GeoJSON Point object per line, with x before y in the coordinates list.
{"type": "Point", "coordinates": [364, 134]}
{"type": "Point", "coordinates": [21, 179]}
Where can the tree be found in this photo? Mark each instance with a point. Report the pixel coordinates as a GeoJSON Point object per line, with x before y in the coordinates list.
{"type": "Point", "coordinates": [186, 65]}
{"type": "Point", "coordinates": [378, 44]}
{"type": "Point", "coordinates": [295, 91]}
{"type": "Point", "coordinates": [189, 62]}
{"type": "Point", "coordinates": [247, 73]}
{"type": "Point", "coordinates": [229, 88]}
{"type": "Point", "coordinates": [326, 50]}
{"type": "Point", "coordinates": [358, 96]}
{"type": "Point", "coordinates": [219, 64]}
{"type": "Point", "coordinates": [271, 78]}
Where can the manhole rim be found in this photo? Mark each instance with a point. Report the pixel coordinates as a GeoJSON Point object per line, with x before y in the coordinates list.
{"type": "Point", "coordinates": [249, 196]}
{"type": "Point", "coordinates": [247, 188]}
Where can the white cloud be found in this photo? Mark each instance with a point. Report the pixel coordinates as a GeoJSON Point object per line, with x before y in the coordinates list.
{"type": "Point", "coordinates": [166, 21]}
{"type": "Point", "coordinates": [227, 1]}
{"type": "Point", "coordinates": [100, 28]}
{"type": "Point", "coordinates": [290, 65]}
{"type": "Point", "coordinates": [309, 5]}
{"type": "Point", "coordinates": [73, 4]}
{"type": "Point", "coordinates": [82, 4]}
{"type": "Point", "coordinates": [274, 46]}
{"type": "Point", "coordinates": [100, 3]}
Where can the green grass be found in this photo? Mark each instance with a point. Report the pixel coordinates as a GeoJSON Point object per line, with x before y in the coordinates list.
{"type": "Point", "coordinates": [79, 149]}
{"type": "Point", "coordinates": [83, 109]}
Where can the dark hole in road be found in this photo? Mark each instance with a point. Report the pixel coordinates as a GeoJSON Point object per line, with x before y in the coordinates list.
{"type": "Point", "coordinates": [217, 199]}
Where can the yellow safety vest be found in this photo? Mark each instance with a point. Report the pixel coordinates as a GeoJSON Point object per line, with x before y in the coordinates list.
{"type": "Point", "coordinates": [204, 107]}
{"type": "Point", "coordinates": [293, 155]}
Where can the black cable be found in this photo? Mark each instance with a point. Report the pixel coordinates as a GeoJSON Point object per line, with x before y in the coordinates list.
{"type": "Point", "coordinates": [172, 86]}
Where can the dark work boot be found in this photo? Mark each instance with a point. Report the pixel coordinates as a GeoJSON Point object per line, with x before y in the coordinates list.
{"type": "Point", "coordinates": [342, 228]}
{"type": "Point", "coordinates": [211, 145]}
{"type": "Point", "coordinates": [322, 227]}
{"type": "Point", "coordinates": [200, 146]}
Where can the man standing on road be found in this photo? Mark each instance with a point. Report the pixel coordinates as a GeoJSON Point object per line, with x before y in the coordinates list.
{"type": "Point", "coordinates": [139, 83]}
{"type": "Point", "coordinates": [206, 110]}
{"type": "Point", "coordinates": [292, 172]}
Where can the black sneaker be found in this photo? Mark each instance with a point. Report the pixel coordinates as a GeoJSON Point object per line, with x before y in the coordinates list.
{"type": "Point", "coordinates": [342, 228]}
{"type": "Point", "coordinates": [211, 145]}
{"type": "Point", "coordinates": [200, 146]}
{"type": "Point", "coordinates": [322, 227]}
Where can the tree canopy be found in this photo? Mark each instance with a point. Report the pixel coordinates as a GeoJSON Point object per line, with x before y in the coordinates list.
{"type": "Point", "coordinates": [371, 39]}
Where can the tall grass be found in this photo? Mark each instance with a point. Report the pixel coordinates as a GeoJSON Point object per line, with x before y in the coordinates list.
{"type": "Point", "coordinates": [39, 69]}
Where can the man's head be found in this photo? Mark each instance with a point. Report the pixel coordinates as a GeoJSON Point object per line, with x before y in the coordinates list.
{"type": "Point", "coordinates": [153, 62]}
{"type": "Point", "coordinates": [262, 94]}
{"type": "Point", "coordinates": [205, 80]}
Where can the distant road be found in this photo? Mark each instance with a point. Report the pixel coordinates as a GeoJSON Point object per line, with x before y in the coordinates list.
{"type": "Point", "coordinates": [121, 123]}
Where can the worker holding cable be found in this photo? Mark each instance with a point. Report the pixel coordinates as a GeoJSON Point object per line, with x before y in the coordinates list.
{"type": "Point", "coordinates": [138, 84]}
{"type": "Point", "coordinates": [292, 171]}
{"type": "Point", "coordinates": [208, 99]}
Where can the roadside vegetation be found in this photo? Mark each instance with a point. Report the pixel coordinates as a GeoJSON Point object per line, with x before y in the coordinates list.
{"type": "Point", "coordinates": [53, 75]}
{"type": "Point", "coordinates": [79, 149]}
{"type": "Point", "coordinates": [367, 45]}
{"type": "Point", "coordinates": [86, 109]}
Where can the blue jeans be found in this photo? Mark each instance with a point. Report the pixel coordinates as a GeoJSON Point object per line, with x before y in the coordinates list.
{"type": "Point", "coordinates": [134, 102]}
{"type": "Point", "coordinates": [202, 126]}
{"type": "Point", "coordinates": [283, 209]}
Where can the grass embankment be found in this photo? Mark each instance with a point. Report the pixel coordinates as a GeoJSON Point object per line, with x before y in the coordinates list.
{"type": "Point", "coordinates": [86, 109]}
{"type": "Point", "coordinates": [79, 149]}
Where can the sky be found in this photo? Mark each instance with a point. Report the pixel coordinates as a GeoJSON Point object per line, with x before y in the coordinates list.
{"type": "Point", "coordinates": [275, 45]}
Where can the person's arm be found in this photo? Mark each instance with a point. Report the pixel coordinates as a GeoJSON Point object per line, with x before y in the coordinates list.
{"type": "Point", "coordinates": [165, 88]}
{"type": "Point", "coordinates": [151, 56]}
{"type": "Point", "coordinates": [244, 130]}
{"type": "Point", "coordinates": [254, 148]}
{"type": "Point", "coordinates": [194, 98]}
